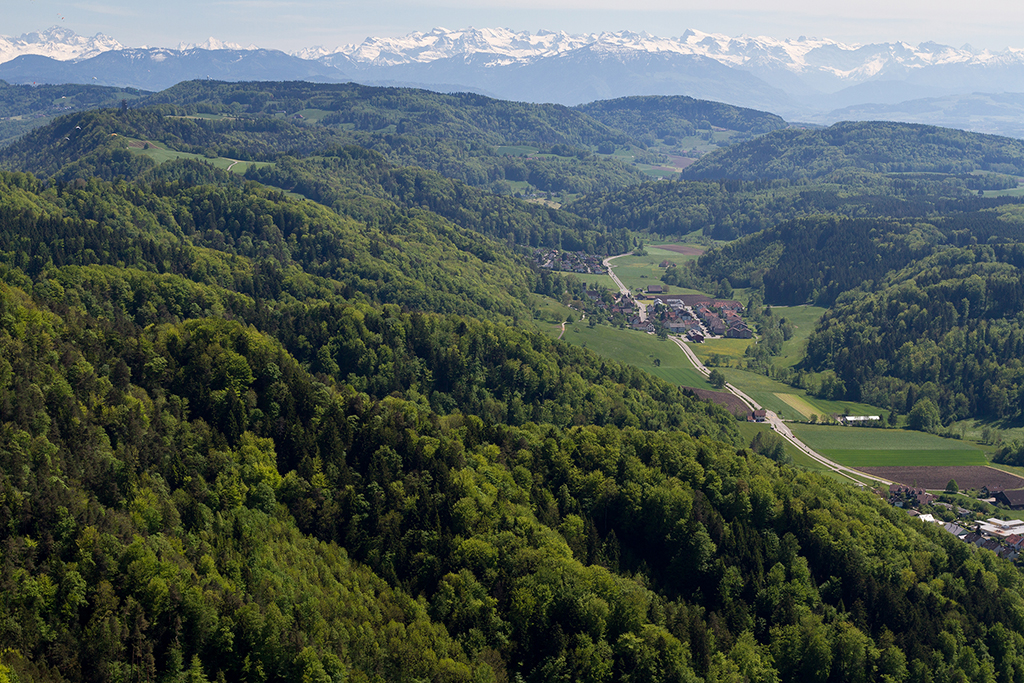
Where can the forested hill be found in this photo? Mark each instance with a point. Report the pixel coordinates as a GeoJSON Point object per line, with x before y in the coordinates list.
{"type": "Point", "coordinates": [647, 117]}
{"type": "Point", "coordinates": [727, 209]}
{"type": "Point", "coordinates": [882, 147]}
{"type": "Point", "coordinates": [98, 145]}
{"type": "Point", "coordinates": [24, 107]}
{"type": "Point", "coordinates": [465, 117]}
{"type": "Point", "coordinates": [252, 435]}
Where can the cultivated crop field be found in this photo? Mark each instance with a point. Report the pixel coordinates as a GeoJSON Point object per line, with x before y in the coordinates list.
{"type": "Point", "coordinates": [798, 404]}
{"type": "Point", "coordinates": [767, 392]}
{"type": "Point", "coordinates": [973, 477]}
{"type": "Point", "coordinates": [867, 447]}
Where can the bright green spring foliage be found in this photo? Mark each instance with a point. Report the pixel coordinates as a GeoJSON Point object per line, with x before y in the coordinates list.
{"type": "Point", "coordinates": [245, 436]}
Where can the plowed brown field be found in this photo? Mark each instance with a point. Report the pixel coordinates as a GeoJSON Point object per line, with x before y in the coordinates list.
{"type": "Point", "coordinates": [972, 477]}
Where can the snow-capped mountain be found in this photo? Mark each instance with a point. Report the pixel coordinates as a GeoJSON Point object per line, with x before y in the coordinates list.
{"type": "Point", "coordinates": [828, 60]}
{"type": "Point", "coordinates": [57, 43]}
{"type": "Point", "coordinates": [212, 43]}
{"type": "Point", "coordinates": [828, 64]}
{"type": "Point", "coordinates": [804, 79]}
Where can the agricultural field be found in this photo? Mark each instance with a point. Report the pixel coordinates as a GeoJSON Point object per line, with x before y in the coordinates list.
{"type": "Point", "coordinates": [659, 357]}
{"type": "Point", "coordinates": [797, 403]}
{"type": "Point", "coordinates": [874, 447]}
{"type": "Point", "coordinates": [637, 272]}
{"type": "Point", "coordinates": [768, 392]}
{"type": "Point", "coordinates": [971, 477]}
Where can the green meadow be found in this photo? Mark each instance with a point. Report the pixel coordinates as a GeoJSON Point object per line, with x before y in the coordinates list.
{"type": "Point", "coordinates": [874, 447]}
{"type": "Point", "coordinates": [660, 357]}
{"type": "Point", "coordinates": [804, 319]}
{"type": "Point", "coordinates": [766, 391]}
{"type": "Point", "coordinates": [159, 153]}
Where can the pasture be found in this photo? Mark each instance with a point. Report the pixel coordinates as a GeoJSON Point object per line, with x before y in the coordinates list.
{"type": "Point", "coordinates": [160, 153]}
{"type": "Point", "coordinates": [637, 272]}
{"type": "Point", "coordinates": [660, 357]}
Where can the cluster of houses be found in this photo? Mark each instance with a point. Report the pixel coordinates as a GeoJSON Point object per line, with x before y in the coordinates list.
{"type": "Point", "coordinates": [569, 261]}
{"type": "Point", "coordinates": [695, 315]}
{"type": "Point", "coordinates": [622, 303]}
{"type": "Point", "coordinates": [1005, 537]}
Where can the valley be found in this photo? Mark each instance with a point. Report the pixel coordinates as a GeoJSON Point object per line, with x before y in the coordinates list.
{"type": "Point", "coordinates": [330, 397]}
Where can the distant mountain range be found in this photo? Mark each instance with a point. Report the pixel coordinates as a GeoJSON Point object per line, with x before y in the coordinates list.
{"type": "Point", "coordinates": [811, 80]}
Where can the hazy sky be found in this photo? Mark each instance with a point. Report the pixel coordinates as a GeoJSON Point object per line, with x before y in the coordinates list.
{"type": "Point", "coordinates": [291, 24]}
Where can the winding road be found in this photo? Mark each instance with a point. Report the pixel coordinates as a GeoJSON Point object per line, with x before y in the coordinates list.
{"type": "Point", "coordinates": [774, 420]}
{"type": "Point", "coordinates": [777, 425]}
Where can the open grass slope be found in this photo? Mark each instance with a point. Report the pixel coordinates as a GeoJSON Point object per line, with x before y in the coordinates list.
{"type": "Point", "coordinates": [804, 319]}
{"type": "Point", "coordinates": [159, 153]}
{"type": "Point", "coordinates": [659, 357]}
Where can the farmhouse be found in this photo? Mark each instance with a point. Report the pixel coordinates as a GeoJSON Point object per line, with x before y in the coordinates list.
{"type": "Point", "coordinates": [903, 496]}
{"type": "Point", "coordinates": [1013, 498]}
{"type": "Point", "coordinates": [758, 416]}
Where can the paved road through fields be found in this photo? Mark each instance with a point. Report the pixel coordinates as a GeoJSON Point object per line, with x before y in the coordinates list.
{"type": "Point", "coordinates": [623, 289]}
{"type": "Point", "coordinates": [780, 427]}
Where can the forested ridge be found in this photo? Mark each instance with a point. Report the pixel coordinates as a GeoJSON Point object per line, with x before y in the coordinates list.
{"type": "Point", "coordinates": [246, 435]}
{"type": "Point", "coordinates": [725, 209]}
{"type": "Point", "coordinates": [878, 146]}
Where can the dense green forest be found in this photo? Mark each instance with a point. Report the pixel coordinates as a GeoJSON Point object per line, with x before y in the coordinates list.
{"type": "Point", "coordinates": [727, 209]}
{"type": "Point", "coordinates": [299, 425]}
{"type": "Point", "coordinates": [24, 107]}
{"type": "Point", "coordinates": [652, 118]}
{"type": "Point", "coordinates": [882, 147]}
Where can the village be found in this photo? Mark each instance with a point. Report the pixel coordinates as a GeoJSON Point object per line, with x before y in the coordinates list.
{"type": "Point", "coordinates": [1004, 537]}
{"type": "Point", "coordinates": [569, 261]}
{"type": "Point", "coordinates": [654, 309]}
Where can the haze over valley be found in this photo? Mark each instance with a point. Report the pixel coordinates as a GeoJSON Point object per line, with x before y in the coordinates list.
{"type": "Point", "coordinates": [810, 80]}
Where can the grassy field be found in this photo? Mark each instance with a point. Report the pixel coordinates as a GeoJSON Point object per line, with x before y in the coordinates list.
{"type": "Point", "coordinates": [729, 351]}
{"type": "Point", "coordinates": [638, 349]}
{"type": "Point", "coordinates": [550, 312]}
{"type": "Point", "coordinates": [798, 404]}
{"type": "Point", "coordinates": [804, 319]}
{"type": "Point", "coordinates": [868, 447]}
{"type": "Point", "coordinates": [637, 272]}
{"type": "Point", "coordinates": [601, 280]}
{"type": "Point", "coordinates": [1013, 192]}
{"type": "Point", "coordinates": [516, 150]}
{"type": "Point", "coordinates": [159, 153]}
{"type": "Point", "coordinates": [767, 391]}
